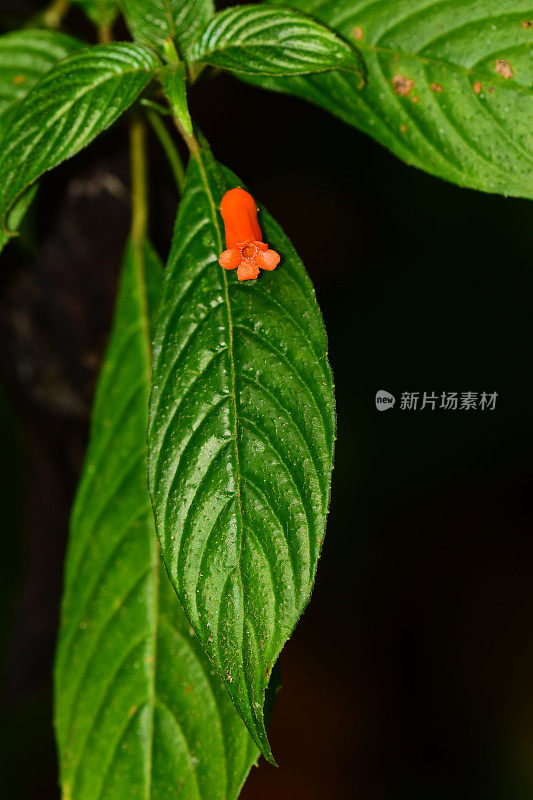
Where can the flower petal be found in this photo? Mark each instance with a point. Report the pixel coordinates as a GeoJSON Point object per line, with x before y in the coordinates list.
{"type": "Point", "coordinates": [267, 260]}
{"type": "Point", "coordinates": [248, 270]}
{"type": "Point", "coordinates": [230, 259]}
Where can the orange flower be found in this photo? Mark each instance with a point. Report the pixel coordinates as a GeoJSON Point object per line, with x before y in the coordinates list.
{"type": "Point", "coordinates": [246, 251]}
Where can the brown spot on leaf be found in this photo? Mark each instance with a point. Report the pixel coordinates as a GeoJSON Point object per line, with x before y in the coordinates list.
{"type": "Point", "coordinates": [402, 85]}
{"type": "Point", "coordinates": [504, 68]}
{"type": "Point", "coordinates": [491, 89]}
{"type": "Point", "coordinates": [477, 87]}
{"type": "Point", "coordinates": [358, 33]}
{"type": "Point", "coordinates": [527, 24]}
{"type": "Point", "coordinates": [18, 79]}
{"type": "Point", "coordinates": [403, 128]}
{"type": "Point", "coordinates": [415, 99]}
{"type": "Point", "coordinates": [436, 87]}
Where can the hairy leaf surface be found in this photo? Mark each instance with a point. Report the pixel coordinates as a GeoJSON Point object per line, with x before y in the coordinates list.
{"type": "Point", "coordinates": [25, 55]}
{"type": "Point", "coordinates": [153, 21]}
{"type": "Point", "coordinates": [139, 711]}
{"type": "Point", "coordinates": [70, 105]}
{"type": "Point", "coordinates": [265, 41]}
{"type": "Point", "coordinates": [449, 89]}
{"type": "Point", "coordinates": [241, 440]}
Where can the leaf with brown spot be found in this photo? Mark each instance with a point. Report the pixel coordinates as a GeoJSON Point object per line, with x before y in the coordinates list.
{"type": "Point", "coordinates": [504, 68]}
{"type": "Point", "coordinates": [481, 140]}
{"type": "Point", "coordinates": [402, 85]}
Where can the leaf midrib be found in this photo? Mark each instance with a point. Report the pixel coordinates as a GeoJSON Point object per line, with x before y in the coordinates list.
{"type": "Point", "coordinates": [231, 347]}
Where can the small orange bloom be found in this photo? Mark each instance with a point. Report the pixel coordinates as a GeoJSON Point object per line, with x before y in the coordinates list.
{"type": "Point", "coordinates": [246, 251]}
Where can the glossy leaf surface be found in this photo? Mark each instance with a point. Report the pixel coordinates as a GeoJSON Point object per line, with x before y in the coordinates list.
{"type": "Point", "coordinates": [25, 56]}
{"type": "Point", "coordinates": [139, 711]}
{"type": "Point", "coordinates": [261, 40]}
{"type": "Point", "coordinates": [241, 443]}
{"type": "Point", "coordinates": [70, 105]}
{"type": "Point", "coordinates": [153, 21]}
{"type": "Point", "coordinates": [449, 85]}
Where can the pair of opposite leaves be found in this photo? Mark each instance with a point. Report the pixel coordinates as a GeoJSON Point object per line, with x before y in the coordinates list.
{"type": "Point", "coordinates": [241, 439]}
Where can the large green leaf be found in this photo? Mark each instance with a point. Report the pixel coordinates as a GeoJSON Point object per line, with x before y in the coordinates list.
{"type": "Point", "coordinates": [70, 105]}
{"type": "Point", "coordinates": [265, 41]}
{"type": "Point", "coordinates": [241, 440]}
{"type": "Point", "coordinates": [25, 55]}
{"type": "Point", "coordinates": [153, 21]}
{"type": "Point", "coordinates": [139, 711]}
{"type": "Point", "coordinates": [437, 94]}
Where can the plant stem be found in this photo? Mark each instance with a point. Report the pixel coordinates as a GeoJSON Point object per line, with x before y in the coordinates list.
{"type": "Point", "coordinates": [191, 141]}
{"type": "Point", "coordinates": [52, 16]}
{"type": "Point", "coordinates": [171, 53]}
{"type": "Point", "coordinates": [167, 143]}
{"type": "Point", "coordinates": [105, 33]}
{"type": "Point", "coordinates": [139, 182]}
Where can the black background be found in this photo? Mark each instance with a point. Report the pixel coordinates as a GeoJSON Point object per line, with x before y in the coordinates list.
{"type": "Point", "coordinates": [410, 674]}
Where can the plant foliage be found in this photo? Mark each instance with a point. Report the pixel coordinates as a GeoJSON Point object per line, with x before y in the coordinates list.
{"type": "Point", "coordinates": [70, 105]}
{"type": "Point", "coordinates": [241, 443]}
{"type": "Point", "coordinates": [161, 684]}
{"type": "Point", "coordinates": [153, 21]}
{"type": "Point", "coordinates": [265, 41]}
{"type": "Point", "coordinates": [450, 85]}
{"type": "Point", "coordinates": [140, 712]}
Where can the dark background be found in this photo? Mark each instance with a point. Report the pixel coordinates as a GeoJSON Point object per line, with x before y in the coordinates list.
{"type": "Point", "coordinates": [410, 675]}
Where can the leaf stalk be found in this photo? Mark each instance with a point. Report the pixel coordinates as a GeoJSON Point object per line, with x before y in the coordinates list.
{"type": "Point", "coordinates": [170, 149]}
{"type": "Point", "coordinates": [52, 16]}
{"type": "Point", "coordinates": [139, 178]}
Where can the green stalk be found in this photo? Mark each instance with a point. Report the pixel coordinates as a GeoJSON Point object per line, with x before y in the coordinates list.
{"type": "Point", "coordinates": [171, 152]}
{"type": "Point", "coordinates": [139, 179]}
{"type": "Point", "coordinates": [105, 33]}
{"type": "Point", "coordinates": [53, 15]}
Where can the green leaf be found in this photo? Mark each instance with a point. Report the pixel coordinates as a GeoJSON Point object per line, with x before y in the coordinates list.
{"type": "Point", "coordinates": [153, 21]}
{"type": "Point", "coordinates": [26, 55]}
{"type": "Point", "coordinates": [100, 12]}
{"type": "Point", "coordinates": [17, 213]}
{"type": "Point", "coordinates": [139, 711]}
{"type": "Point", "coordinates": [67, 108]}
{"type": "Point", "coordinates": [459, 119]}
{"type": "Point", "coordinates": [241, 437]}
{"type": "Point", "coordinates": [265, 41]}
